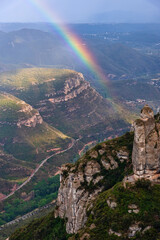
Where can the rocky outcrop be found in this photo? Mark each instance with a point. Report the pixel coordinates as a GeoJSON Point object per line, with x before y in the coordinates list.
{"type": "Point", "coordinates": [30, 117]}
{"type": "Point", "coordinates": [82, 182]}
{"type": "Point", "coordinates": [73, 86]}
{"type": "Point", "coordinates": [17, 113]}
{"type": "Point", "coordinates": [146, 147]}
{"type": "Point", "coordinates": [133, 230]}
{"type": "Point", "coordinates": [66, 101]}
{"type": "Point", "coordinates": [30, 122]}
{"type": "Point", "coordinates": [70, 95]}
{"type": "Point", "coordinates": [73, 198]}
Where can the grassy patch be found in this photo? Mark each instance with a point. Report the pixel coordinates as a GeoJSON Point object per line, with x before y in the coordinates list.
{"type": "Point", "coordinates": [143, 195]}
{"type": "Point", "coordinates": [46, 228]}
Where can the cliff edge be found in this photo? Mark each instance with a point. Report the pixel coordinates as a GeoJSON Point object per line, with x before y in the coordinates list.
{"type": "Point", "coordinates": [99, 169]}
{"type": "Point", "coordinates": [94, 203]}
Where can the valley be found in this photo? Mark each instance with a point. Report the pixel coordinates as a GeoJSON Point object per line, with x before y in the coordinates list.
{"type": "Point", "coordinates": [53, 109]}
{"type": "Point", "coordinates": [51, 114]}
{"type": "Point", "coordinates": [111, 192]}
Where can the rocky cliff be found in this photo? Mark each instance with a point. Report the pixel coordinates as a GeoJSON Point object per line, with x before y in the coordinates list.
{"type": "Point", "coordinates": [146, 146]}
{"type": "Point", "coordinates": [73, 199]}
{"type": "Point", "coordinates": [17, 113]}
{"type": "Point", "coordinates": [66, 101]}
{"type": "Point", "coordinates": [73, 86]}
{"type": "Point", "coordinates": [95, 204]}
{"type": "Point", "coordinates": [98, 170]}
{"type": "Point", "coordinates": [82, 182]}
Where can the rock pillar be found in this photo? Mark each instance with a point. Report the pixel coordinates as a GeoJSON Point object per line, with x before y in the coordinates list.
{"type": "Point", "coordinates": [146, 146]}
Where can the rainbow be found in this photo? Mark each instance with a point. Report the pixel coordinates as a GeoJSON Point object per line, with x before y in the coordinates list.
{"type": "Point", "coordinates": [76, 44]}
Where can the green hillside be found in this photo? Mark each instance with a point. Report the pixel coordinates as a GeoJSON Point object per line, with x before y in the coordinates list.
{"type": "Point", "coordinates": [107, 223]}
{"type": "Point", "coordinates": [119, 212]}
{"type": "Point", "coordinates": [35, 138]}
{"type": "Point", "coordinates": [64, 99]}
{"type": "Point", "coordinates": [25, 139]}
{"type": "Point", "coordinates": [104, 222]}
{"type": "Point", "coordinates": [23, 79]}
{"type": "Point", "coordinates": [46, 227]}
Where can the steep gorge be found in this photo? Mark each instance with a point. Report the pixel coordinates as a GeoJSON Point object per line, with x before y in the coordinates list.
{"type": "Point", "coordinates": [95, 203]}
{"type": "Point", "coordinates": [66, 101]}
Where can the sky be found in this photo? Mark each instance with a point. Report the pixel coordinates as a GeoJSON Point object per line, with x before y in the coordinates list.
{"type": "Point", "coordinates": [71, 11]}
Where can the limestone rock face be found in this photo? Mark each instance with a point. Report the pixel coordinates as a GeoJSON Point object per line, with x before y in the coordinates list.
{"type": "Point", "coordinates": [30, 122]}
{"type": "Point", "coordinates": [72, 88]}
{"type": "Point", "coordinates": [80, 183]}
{"type": "Point", "coordinates": [146, 146]}
{"type": "Point", "coordinates": [73, 199]}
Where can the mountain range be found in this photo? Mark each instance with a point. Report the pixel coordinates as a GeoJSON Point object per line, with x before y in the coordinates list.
{"type": "Point", "coordinates": [41, 111]}
{"type": "Point", "coordinates": [109, 193]}
{"type": "Point", "coordinates": [51, 113]}
{"type": "Point", "coordinates": [29, 47]}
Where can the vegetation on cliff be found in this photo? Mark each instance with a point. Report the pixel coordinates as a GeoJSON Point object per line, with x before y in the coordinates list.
{"type": "Point", "coordinates": [45, 228]}
{"type": "Point", "coordinates": [135, 214]}
{"type": "Point", "coordinates": [64, 99]}
{"type": "Point", "coordinates": [110, 177]}
{"type": "Point", "coordinates": [101, 153]}
{"type": "Point", "coordinates": [44, 192]}
{"type": "Point", "coordinates": [43, 101]}
{"type": "Point", "coordinates": [120, 210]}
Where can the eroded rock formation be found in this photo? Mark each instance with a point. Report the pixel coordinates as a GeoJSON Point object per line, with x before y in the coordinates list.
{"type": "Point", "coordinates": [146, 147]}
{"type": "Point", "coordinates": [73, 199]}
{"type": "Point", "coordinates": [82, 182]}
{"type": "Point", "coordinates": [30, 122]}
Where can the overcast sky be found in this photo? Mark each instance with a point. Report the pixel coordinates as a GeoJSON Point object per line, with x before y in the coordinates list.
{"type": "Point", "coordinates": [82, 10]}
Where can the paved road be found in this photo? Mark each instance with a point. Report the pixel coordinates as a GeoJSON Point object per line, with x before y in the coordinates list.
{"type": "Point", "coordinates": [37, 169]}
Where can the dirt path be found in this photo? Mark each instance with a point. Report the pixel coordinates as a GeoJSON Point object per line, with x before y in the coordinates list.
{"type": "Point", "coordinates": [37, 169]}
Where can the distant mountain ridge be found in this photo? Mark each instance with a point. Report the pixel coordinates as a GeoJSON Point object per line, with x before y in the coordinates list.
{"type": "Point", "coordinates": [29, 47]}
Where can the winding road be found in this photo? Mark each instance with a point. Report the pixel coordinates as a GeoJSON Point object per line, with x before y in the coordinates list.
{"type": "Point", "coordinates": [41, 165]}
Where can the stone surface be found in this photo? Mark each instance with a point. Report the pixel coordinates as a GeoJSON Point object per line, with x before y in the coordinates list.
{"type": "Point", "coordinates": [123, 155]}
{"type": "Point", "coordinates": [111, 232]}
{"type": "Point", "coordinates": [132, 206]}
{"type": "Point", "coordinates": [109, 163]}
{"type": "Point", "coordinates": [146, 229]}
{"type": "Point", "coordinates": [85, 236]}
{"type": "Point", "coordinates": [101, 151]}
{"type": "Point", "coordinates": [30, 122]}
{"type": "Point", "coordinates": [80, 184]}
{"type": "Point", "coordinates": [133, 209]}
{"type": "Point", "coordinates": [133, 229]}
{"type": "Point", "coordinates": [94, 154]}
{"type": "Point", "coordinates": [73, 199]}
{"type": "Point", "coordinates": [112, 204]}
{"type": "Point", "coordinates": [92, 226]}
{"type": "Point", "coordinates": [146, 146]}
{"type": "Point", "coordinates": [105, 164]}
{"type": "Point", "coordinates": [91, 169]}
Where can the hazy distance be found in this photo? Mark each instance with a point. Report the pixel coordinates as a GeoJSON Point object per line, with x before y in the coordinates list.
{"type": "Point", "coordinates": [109, 11]}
